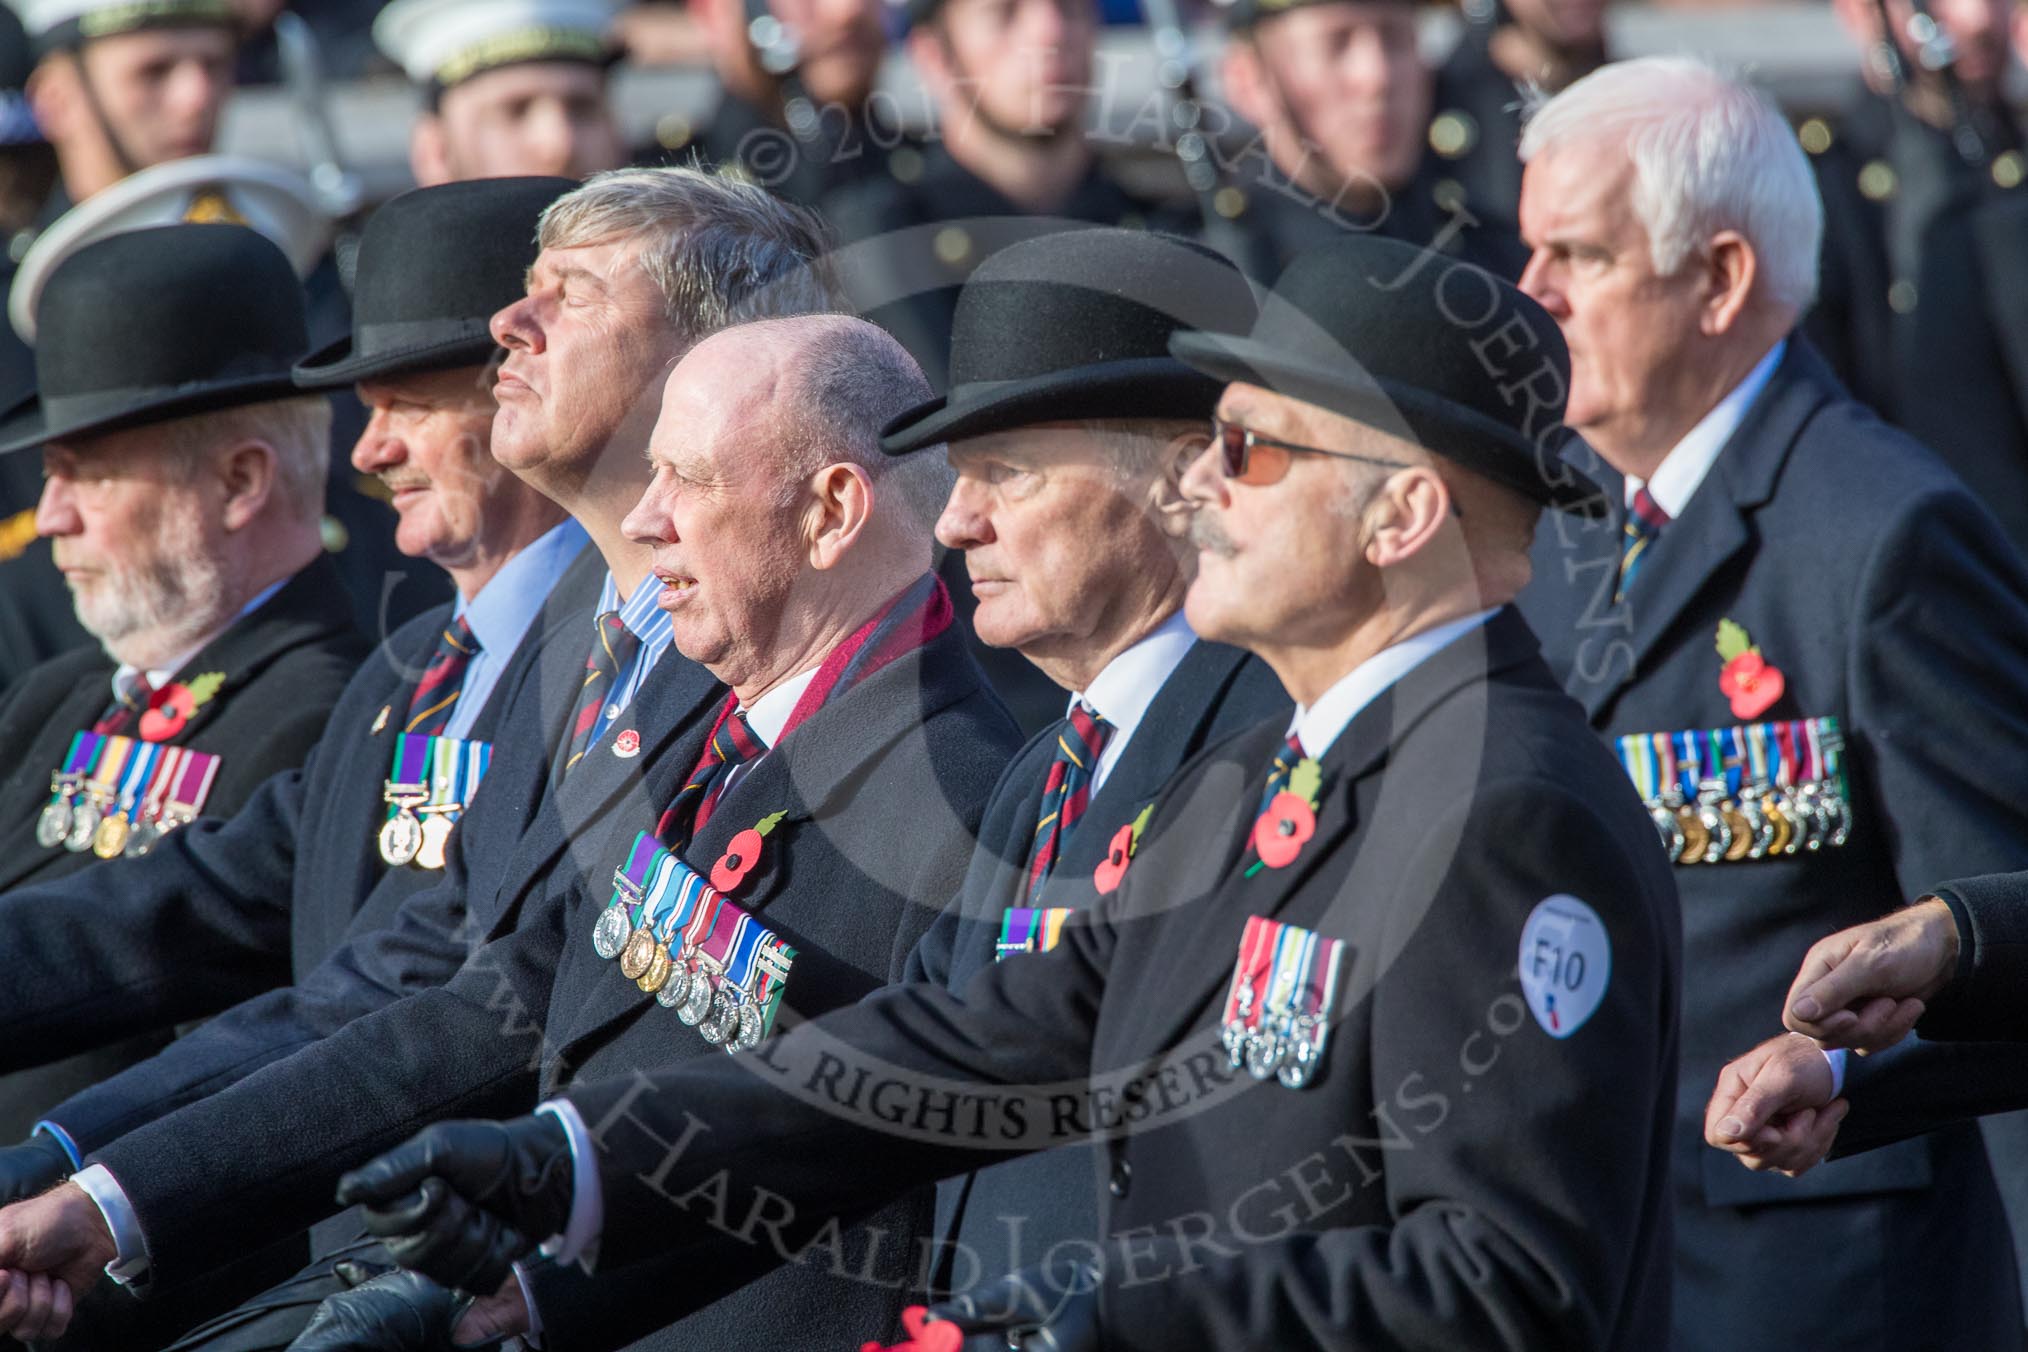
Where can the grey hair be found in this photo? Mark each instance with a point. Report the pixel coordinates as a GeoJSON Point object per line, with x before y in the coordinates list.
{"type": "Point", "coordinates": [850, 379]}
{"type": "Point", "coordinates": [719, 248]}
{"type": "Point", "coordinates": [1136, 445]}
{"type": "Point", "coordinates": [298, 430]}
{"type": "Point", "coordinates": [1710, 153]}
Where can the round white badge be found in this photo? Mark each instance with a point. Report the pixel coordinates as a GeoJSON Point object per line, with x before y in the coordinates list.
{"type": "Point", "coordinates": [1566, 963]}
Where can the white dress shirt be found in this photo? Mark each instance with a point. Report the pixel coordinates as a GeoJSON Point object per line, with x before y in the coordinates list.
{"type": "Point", "coordinates": [1320, 724]}
{"type": "Point", "coordinates": [1690, 460]}
{"type": "Point", "coordinates": [1122, 692]}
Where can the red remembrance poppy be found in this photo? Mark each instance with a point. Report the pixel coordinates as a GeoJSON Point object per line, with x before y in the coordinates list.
{"type": "Point", "coordinates": [923, 1335]}
{"type": "Point", "coordinates": [741, 854]}
{"type": "Point", "coordinates": [1282, 830]}
{"type": "Point", "coordinates": [1106, 877]}
{"type": "Point", "coordinates": [166, 714]}
{"type": "Point", "coordinates": [1751, 684]}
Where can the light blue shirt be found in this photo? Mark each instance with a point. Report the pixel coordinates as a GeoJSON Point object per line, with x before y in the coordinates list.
{"type": "Point", "coordinates": [503, 611]}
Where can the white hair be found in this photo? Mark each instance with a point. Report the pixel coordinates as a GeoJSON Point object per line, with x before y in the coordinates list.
{"type": "Point", "coordinates": [1710, 153]}
{"type": "Point", "coordinates": [298, 429]}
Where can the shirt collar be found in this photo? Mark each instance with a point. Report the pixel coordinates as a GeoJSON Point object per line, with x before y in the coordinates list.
{"type": "Point", "coordinates": [507, 605]}
{"type": "Point", "coordinates": [1690, 460]}
{"type": "Point", "coordinates": [1122, 692]}
{"type": "Point", "coordinates": [1319, 725]}
{"type": "Point", "coordinates": [769, 714]}
{"type": "Point", "coordinates": [644, 619]}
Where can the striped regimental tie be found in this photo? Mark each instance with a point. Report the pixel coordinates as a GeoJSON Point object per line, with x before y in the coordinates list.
{"type": "Point", "coordinates": [1080, 741]}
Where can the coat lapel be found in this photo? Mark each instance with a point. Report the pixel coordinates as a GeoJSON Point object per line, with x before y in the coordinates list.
{"type": "Point", "coordinates": [676, 695]}
{"type": "Point", "coordinates": [1713, 529]}
{"type": "Point", "coordinates": [1173, 729]}
{"type": "Point", "coordinates": [806, 777]}
{"type": "Point", "coordinates": [1202, 956]}
{"type": "Point", "coordinates": [309, 608]}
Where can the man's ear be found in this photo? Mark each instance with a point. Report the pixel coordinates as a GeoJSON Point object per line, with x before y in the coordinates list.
{"type": "Point", "coordinates": [930, 54]}
{"type": "Point", "coordinates": [249, 476]}
{"type": "Point", "coordinates": [1734, 268]}
{"type": "Point", "coordinates": [429, 156]}
{"type": "Point", "coordinates": [53, 95]}
{"type": "Point", "coordinates": [842, 503]}
{"type": "Point", "coordinates": [1406, 515]}
{"type": "Point", "coordinates": [1172, 508]}
{"type": "Point", "coordinates": [1244, 84]}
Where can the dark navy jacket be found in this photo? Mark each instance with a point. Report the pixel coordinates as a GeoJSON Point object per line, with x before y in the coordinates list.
{"type": "Point", "coordinates": [1007, 1217]}
{"type": "Point", "coordinates": [1887, 597]}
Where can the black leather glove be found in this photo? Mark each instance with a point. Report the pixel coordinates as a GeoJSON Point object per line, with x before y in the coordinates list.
{"type": "Point", "coordinates": [1052, 1307]}
{"type": "Point", "coordinates": [393, 1312]}
{"type": "Point", "coordinates": [461, 1201]}
{"type": "Point", "coordinates": [32, 1168]}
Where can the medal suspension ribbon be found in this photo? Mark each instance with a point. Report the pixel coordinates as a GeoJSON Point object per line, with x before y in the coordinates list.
{"type": "Point", "coordinates": [1244, 1002]}
{"type": "Point", "coordinates": [148, 826]}
{"type": "Point", "coordinates": [193, 786]}
{"type": "Point", "coordinates": [85, 749]}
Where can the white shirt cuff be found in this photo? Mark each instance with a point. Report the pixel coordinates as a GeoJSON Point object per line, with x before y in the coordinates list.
{"type": "Point", "coordinates": [130, 1264]}
{"type": "Point", "coordinates": [579, 1241]}
{"type": "Point", "coordinates": [1837, 1061]}
{"type": "Point", "coordinates": [533, 1334]}
{"type": "Point", "coordinates": [62, 1138]}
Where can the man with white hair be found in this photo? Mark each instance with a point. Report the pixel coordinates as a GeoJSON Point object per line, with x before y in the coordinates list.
{"type": "Point", "coordinates": [183, 480]}
{"type": "Point", "coordinates": [1799, 631]}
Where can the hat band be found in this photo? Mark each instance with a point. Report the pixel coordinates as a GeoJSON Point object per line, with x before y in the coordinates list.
{"type": "Point", "coordinates": [372, 339]}
{"type": "Point", "coordinates": [521, 45]}
{"type": "Point", "coordinates": [135, 14]}
{"type": "Point", "coordinates": [60, 410]}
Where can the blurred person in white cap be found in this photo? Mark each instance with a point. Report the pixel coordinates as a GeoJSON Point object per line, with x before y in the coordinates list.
{"type": "Point", "coordinates": [121, 86]}
{"type": "Point", "coordinates": [510, 87]}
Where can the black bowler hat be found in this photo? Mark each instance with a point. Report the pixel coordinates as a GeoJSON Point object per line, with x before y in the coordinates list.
{"type": "Point", "coordinates": [1076, 324]}
{"type": "Point", "coordinates": [155, 324]}
{"type": "Point", "coordinates": [435, 266]}
{"type": "Point", "coordinates": [1418, 345]}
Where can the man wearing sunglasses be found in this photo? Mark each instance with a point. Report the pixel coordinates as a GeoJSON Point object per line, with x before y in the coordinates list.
{"type": "Point", "coordinates": [1378, 1027]}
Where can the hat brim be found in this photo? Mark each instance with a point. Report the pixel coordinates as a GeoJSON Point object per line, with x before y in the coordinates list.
{"type": "Point", "coordinates": [338, 366]}
{"type": "Point", "coordinates": [26, 425]}
{"type": "Point", "coordinates": [1139, 387]}
{"type": "Point", "coordinates": [1449, 429]}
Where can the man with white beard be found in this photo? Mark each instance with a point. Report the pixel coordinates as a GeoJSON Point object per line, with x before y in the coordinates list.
{"type": "Point", "coordinates": [183, 482]}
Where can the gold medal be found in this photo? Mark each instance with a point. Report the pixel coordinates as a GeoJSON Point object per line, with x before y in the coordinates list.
{"type": "Point", "coordinates": [1743, 834]}
{"type": "Point", "coordinates": [660, 965]}
{"type": "Point", "coordinates": [1783, 832]}
{"type": "Point", "coordinates": [110, 840]}
{"type": "Point", "coordinates": [1695, 838]}
{"type": "Point", "coordinates": [638, 953]}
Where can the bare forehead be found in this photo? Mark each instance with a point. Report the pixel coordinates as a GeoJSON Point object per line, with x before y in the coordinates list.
{"type": "Point", "coordinates": [718, 388]}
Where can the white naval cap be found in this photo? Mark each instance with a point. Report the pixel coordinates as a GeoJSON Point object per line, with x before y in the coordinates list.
{"type": "Point", "coordinates": [443, 42]}
{"type": "Point", "coordinates": [64, 23]}
{"type": "Point", "coordinates": [203, 188]}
